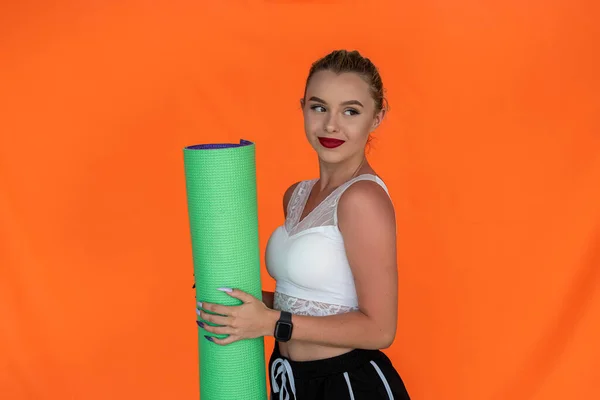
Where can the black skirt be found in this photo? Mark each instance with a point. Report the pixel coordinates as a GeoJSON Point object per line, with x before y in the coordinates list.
{"type": "Point", "coordinates": [356, 375]}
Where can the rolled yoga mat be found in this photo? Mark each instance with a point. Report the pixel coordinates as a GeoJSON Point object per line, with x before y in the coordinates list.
{"type": "Point", "coordinates": [223, 216]}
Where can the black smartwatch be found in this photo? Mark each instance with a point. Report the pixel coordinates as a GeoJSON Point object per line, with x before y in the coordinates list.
{"type": "Point", "coordinates": [284, 327]}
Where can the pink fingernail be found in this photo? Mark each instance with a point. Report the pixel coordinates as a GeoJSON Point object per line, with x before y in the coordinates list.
{"type": "Point", "coordinates": [200, 304]}
{"type": "Point", "coordinates": [225, 289]}
{"type": "Point", "coordinates": [197, 311]}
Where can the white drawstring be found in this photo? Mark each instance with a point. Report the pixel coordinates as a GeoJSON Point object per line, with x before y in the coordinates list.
{"type": "Point", "coordinates": [282, 367]}
{"type": "Point", "coordinates": [385, 382]}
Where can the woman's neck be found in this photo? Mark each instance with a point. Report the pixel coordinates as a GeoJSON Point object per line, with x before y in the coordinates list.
{"type": "Point", "coordinates": [333, 175]}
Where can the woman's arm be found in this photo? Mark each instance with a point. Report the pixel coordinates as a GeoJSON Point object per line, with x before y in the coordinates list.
{"type": "Point", "coordinates": [350, 330]}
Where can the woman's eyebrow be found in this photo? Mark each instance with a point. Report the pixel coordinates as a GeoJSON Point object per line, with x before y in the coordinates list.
{"type": "Point", "coordinates": [345, 103]}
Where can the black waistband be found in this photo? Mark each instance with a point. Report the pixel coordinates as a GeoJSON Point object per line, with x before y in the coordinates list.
{"type": "Point", "coordinates": [331, 366]}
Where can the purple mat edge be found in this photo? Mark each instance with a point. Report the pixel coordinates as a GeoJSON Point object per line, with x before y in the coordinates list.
{"type": "Point", "coordinates": [213, 146]}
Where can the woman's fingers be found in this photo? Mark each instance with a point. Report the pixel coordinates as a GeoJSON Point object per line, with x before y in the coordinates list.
{"type": "Point", "coordinates": [223, 316]}
{"type": "Point", "coordinates": [227, 340]}
{"type": "Point", "coordinates": [218, 330]}
{"type": "Point", "coordinates": [219, 309]}
{"type": "Point", "coordinates": [215, 319]}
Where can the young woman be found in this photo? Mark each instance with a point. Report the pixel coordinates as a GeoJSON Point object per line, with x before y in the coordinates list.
{"type": "Point", "coordinates": [334, 258]}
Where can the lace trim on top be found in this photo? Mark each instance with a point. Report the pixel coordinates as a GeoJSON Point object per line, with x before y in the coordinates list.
{"type": "Point", "coordinates": [325, 213]}
{"type": "Point", "coordinates": [296, 207]}
{"type": "Point", "coordinates": [296, 306]}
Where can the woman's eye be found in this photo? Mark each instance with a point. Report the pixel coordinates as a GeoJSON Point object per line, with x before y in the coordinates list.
{"type": "Point", "coordinates": [321, 109]}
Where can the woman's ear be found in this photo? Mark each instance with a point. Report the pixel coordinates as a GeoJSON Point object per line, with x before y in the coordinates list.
{"type": "Point", "coordinates": [378, 119]}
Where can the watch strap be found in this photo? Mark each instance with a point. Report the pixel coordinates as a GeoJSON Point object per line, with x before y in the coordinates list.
{"type": "Point", "coordinates": [285, 316]}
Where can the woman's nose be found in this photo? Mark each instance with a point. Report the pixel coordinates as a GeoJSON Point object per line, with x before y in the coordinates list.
{"type": "Point", "coordinates": [331, 124]}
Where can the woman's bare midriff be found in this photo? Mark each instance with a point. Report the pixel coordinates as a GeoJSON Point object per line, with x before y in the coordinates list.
{"type": "Point", "coordinates": [297, 350]}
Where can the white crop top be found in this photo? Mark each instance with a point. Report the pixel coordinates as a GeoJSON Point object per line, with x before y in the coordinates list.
{"type": "Point", "coordinates": [307, 258]}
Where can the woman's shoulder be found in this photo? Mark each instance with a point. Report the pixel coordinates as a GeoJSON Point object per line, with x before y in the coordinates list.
{"type": "Point", "coordinates": [368, 184]}
{"type": "Point", "coordinates": [370, 195]}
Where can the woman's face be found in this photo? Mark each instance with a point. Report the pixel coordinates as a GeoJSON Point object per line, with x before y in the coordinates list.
{"type": "Point", "coordinates": [339, 115]}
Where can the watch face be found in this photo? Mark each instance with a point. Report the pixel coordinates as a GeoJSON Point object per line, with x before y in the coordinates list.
{"type": "Point", "coordinates": [284, 330]}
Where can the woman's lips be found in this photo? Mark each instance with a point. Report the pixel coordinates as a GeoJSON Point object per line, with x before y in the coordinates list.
{"type": "Point", "coordinates": [330, 143]}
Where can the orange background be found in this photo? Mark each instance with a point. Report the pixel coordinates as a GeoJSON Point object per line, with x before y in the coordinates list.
{"type": "Point", "coordinates": [491, 152]}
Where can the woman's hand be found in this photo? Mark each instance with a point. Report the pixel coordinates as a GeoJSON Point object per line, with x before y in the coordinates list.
{"type": "Point", "coordinates": [250, 320]}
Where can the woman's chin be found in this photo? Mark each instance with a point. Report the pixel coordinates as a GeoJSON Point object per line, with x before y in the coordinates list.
{"type": "Point", "coordinates": [330, 156]}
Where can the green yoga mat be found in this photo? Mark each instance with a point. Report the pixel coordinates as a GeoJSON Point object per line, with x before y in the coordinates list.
{"type": "Point", "coordinates": [223, 216]}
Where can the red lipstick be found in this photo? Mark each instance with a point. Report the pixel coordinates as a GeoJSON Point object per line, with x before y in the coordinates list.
{"type": "Point", "coordinates": [330, 143]}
